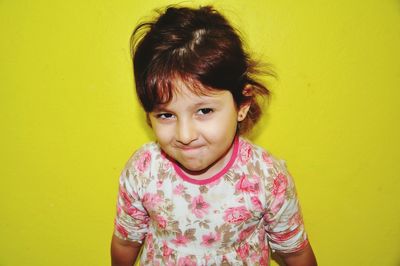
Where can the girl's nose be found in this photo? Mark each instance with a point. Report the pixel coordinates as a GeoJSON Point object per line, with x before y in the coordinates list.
{"type": "Point", "coordinates": [186, 132]}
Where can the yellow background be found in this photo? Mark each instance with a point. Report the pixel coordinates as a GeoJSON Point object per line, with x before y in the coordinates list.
{"type": "Point", "coordinates": [70, 120]}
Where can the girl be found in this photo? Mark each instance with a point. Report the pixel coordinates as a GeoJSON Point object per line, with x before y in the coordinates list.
{"type": "Point", "coordinates": [201, 194]}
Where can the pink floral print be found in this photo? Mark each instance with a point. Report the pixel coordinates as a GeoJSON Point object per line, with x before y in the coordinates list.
{"type": "Point", "coordinates": [243, 251]}
{"type": "Point", "coordinates": [186, 261]}
{"type": "Point", "coordinates": [256, 203]}
{"type": "Point", "coordinates": [180, 240]}
{"type": "Point", "coordinates": [121, 230]}
{"type": "Point", "coordinates": [245, 185]}
{"type": "Point", "coordinates": [235, 219]}
{"type": "Point", "coordinates": [144, 161]}
{"type": "Point", "coordinates": [199, 206]}
{"type": "Point", "coordinates": [246, 233]}
{"type": "Point", "coordinates": [245, 152]}
{"type": "Point", "coordinates": [151, 199]}
{"type": "Point", "coordinates": [161, 221]}
{"type": "Point", "coordinates": [210, 239]}
{"type": "Point", "coordinates": [179, 189]}
{"type": "Point", "coordinates": [166, 250]}
{"type": "Point", "coordinates": [278, 191]}
{"type": "Point", "coordinates": [237, 215]}
{"type": "Point", "coordinates": [279, 185]}
{"type": "Point", "coordinates": [267, 158]}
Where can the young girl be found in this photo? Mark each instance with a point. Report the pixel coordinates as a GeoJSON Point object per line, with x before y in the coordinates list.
{"type": "Point", "coordinates": [202, 194]}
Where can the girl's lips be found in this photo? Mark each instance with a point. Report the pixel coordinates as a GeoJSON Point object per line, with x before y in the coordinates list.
{"type": "Point", "coordinates": [189, 148]}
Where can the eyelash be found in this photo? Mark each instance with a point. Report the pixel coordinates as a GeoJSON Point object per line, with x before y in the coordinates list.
{"type": "Point", "coordinates": [201, 112]}
{"type": "Point", "coordinates": [205, 111]}
{"type": "Point", "coordinates": [164, 116]}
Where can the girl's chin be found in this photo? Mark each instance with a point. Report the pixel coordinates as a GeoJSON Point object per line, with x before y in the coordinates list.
{"type": "Point", "coordinates": [192, 170]}
{"type": "Point", "coordinates": [201, 171]}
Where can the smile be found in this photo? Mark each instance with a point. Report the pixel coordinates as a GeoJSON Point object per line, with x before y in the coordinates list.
{"type": "Point", "coordinates": [189, 148]}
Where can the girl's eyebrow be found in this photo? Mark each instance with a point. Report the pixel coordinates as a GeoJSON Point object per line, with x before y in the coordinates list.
{"type": "Point", "coordinates": [205, 103]}
{"type": "Point", "coordinates": [208, 101]}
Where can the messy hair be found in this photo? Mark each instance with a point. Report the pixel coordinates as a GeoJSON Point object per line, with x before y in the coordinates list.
{"type": "Point", "coordinates": [200, 48]}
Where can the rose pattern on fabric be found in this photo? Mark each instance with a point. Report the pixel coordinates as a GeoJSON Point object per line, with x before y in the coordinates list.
{"type": "Point", "coordinates": [210, 239]}
{"type": "Point", "coordinates": [267, 158]}
{"type": "Point", "coordinates": [199, 206]}
{"type": "Point", "coordinates": [245, 152]}
{"type": "Point", "coordinates": [246, 185]}
{"type": "Point", "coordinates": [280, 184]}
{"type": "Point", "coordinates": [243, 251]}
{"type": "Point", "coordinates": [180, 240]}
{"type": "Point", "coordinates": [233, 220]}
{"type": "Point", "coordinates": [166, 250]}
{"type": "Point", "coordinates": [179, 189]}
{"type": "Point", "coordinates": [144, 161]}
{"type": "Point", "coordinates": [278, 191]}
{"type": "Point", "coordinates": [237, 215]}
{"type": "Point", "coordinates": [151, 200]}
{"type": "Point", "coordinates": [186, 261]}
{"type": "Point", "coordinates": [161, 221]}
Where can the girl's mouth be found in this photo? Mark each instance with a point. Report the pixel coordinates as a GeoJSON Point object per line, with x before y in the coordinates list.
{"type": "Point", "coordinates": [189, 148]}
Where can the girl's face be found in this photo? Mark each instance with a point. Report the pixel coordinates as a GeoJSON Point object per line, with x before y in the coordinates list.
{"type": "Point", "coordinates": [198, 130]}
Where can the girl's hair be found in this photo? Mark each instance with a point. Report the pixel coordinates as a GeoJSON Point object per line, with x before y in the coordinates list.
{"type": "Point", "coordinates": [199, 48]}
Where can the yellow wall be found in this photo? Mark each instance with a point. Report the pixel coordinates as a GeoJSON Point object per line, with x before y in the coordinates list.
{"type": "Point", "coordinates": [69, 121]}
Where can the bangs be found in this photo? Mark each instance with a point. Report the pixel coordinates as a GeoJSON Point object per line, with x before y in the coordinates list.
{"type": "Point", "coordinates": [163, 87]}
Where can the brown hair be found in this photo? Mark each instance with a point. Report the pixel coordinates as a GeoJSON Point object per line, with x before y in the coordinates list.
{"type": "Point", "coordinates": [200, 48]}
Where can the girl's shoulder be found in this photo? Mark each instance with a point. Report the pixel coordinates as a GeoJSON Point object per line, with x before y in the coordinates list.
{"type": "Point", "coordinates": [143, 157]}
{"type": "Point", "coordinates": [141, 164]}
{"type": "Point", "coordinates": [273, 171]}
{"type": "Point", "coordinates": [259, 155]}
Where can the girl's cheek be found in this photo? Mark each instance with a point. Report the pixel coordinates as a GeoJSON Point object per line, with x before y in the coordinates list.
{"type": "Point", "coordinates": [163, 133]}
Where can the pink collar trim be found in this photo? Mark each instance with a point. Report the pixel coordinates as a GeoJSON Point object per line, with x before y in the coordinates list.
{"type": "Point", "coordinates": [215, 177]}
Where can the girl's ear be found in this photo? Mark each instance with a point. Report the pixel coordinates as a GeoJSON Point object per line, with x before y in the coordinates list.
{"type": "Point", "coordinates": [245, 106]}
{"type": "Point", "coordinates": [243, 110]}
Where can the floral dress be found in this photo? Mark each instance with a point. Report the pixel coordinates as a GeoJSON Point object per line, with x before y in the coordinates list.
{"type": "Point", "coordinates": [232, 218]}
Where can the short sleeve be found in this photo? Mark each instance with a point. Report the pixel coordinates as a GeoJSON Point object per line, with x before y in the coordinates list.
{"type": "Point", "coordinates": [131, 221]}
{"type": "Point", "coordinates": [283, 220]}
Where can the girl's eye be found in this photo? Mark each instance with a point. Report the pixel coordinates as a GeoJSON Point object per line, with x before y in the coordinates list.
{"type": "Point", "coordinates": [205, 111]}
{"type": "Point", "coordinates": [165, 116]}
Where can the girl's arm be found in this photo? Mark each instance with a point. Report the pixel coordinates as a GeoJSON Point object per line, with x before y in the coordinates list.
{"type": "Point", "coordinates": [123, 252]}
{"type": "Point", "coordinates": [304, 257]}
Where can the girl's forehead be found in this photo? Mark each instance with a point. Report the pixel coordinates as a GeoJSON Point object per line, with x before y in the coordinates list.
{"type": "Point", "coordinates": [184, 88]}
{"type": "Point", "coordinates": [186, 98]}
{"type": "Point", "coordinates": [191, 86]}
